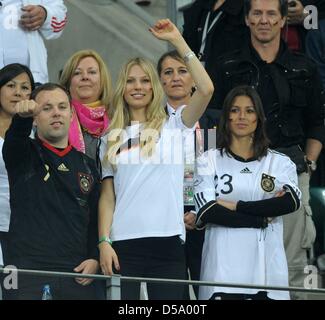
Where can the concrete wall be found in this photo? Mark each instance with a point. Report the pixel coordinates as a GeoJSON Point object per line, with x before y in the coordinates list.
{"type": "Point", "coordinates": [110, 29]}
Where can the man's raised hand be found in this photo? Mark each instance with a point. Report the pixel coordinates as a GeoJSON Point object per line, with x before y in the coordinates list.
{"type": "Point", "coordinates": [27, 108]}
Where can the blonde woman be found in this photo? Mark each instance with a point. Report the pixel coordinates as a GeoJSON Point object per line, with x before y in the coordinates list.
{"type": "Point", "coordinates": [86, 77]}
{"type": "Point", "coordinates": [141, 227]}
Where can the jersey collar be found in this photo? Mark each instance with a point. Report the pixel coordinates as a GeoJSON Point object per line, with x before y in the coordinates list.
{"type": "Point", "coordinates": [60, 153]}
{"type": "Point", "coordinates": [238, 158]}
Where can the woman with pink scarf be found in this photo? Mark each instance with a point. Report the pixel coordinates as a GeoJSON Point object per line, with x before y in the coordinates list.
{"type": "Point", "coordinates": [86, 77]}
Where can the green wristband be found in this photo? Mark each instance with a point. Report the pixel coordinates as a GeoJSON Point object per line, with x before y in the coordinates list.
{"type": "Point", "coordinates": [105, 239]}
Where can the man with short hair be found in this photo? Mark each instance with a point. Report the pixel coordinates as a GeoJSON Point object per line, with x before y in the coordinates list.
{"type": "Point", "coordinates": [54, 192]}
{"type": "Point", "coordinates": [291, 92]}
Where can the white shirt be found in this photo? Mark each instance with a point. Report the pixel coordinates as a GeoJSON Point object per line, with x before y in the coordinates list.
{"type": "Point", "coordinates": [13, 40]}
{"type": "Point", "coordinates": [243, 255]}
{"type": "Point", "coordinates": [4, 194]}
{"type": "Point", "coordinates": [189, 160]}
{"type": "Point", "coordinates": [149, 195]}
{"type": "Point", "coordinates": [4, 198]}
{"type": "Point", "coordinates": [27, 47]}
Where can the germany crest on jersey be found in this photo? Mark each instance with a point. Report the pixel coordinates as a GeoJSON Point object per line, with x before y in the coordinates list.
{"type": "Point", "coordinates": [85, 182]}
{"type": "Point", "coordinates": [267, 182]}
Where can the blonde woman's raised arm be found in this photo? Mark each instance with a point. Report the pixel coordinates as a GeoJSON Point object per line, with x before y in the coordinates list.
{"type": "Point", "coordinates": [165, 30]}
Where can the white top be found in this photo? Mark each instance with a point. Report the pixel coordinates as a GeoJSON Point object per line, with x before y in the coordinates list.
{"type": "Point", "coordinates": [13, 39]}
{"type": "Point", "coordinates": [1, 258]}
{"type": "Point", "coordinates": [243, 255]}
{"type": "Point", "coordinates": [149, 194]}
{"type": "Point", "coordinates": [4, 194]}
{"type": "Point", "coordinates": [27, 47]}
{"type": "Point", "coordinates": [189, 160]}
{"type": "Point", "coordinates": [4, 198]}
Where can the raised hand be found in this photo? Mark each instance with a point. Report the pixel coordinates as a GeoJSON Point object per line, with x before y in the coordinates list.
{"type": "Point", "coordinates": [164, 29]}
{"type": "Point", "coordinates": [27, 108]}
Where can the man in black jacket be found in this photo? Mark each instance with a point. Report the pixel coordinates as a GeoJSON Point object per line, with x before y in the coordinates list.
{"type": "Point", "coordinates": [54, 193]}
{"type": "Point", "coordinates": [291, 91]}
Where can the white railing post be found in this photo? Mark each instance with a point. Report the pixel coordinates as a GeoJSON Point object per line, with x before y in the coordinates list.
{"type": "Point", "coordinates": [113, 288]}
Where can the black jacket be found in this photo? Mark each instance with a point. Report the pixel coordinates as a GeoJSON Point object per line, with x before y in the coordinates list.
{"type": "Point", "coordinates": [292, 100]}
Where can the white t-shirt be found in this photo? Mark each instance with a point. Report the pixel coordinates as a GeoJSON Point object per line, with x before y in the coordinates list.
{"type": "Point", "coordinates": [4, 197]}
{"type": "Point", "coordinates": [149, 194]}
{"type": "Point", "coordinates": [243, 255]}
{"type": "Point", "coordinates": [189, 160]}
{"type": "Point", "coordinates": [13, 39]}
{"type": "Point", "coordinates": [4, 194]}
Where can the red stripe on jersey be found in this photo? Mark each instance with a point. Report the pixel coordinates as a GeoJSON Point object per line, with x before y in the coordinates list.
{"type": "Point", "coordinates": [58, 24]}
{"type": "Point", "coordinates": [60, 153]}
{"type": "Point", "coordinates": [55, 29]}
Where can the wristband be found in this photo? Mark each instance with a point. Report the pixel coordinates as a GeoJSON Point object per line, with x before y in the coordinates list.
{"type": "Point", "coordinates": [188, 55]}
{"type": "Point", "coordinates": [105, 239]}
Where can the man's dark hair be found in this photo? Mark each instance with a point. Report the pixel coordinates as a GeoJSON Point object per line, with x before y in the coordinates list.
{"type": "Point", "coordinates": [283, 6]}
{"type": "Point", "coordinates": [260, 140]}
{"type": "Point", "coordinates": [49, 87]}
{"type": "Point", "coordinates": [13, 70]}
{"type": "Point", "coordinates": [170, 54]}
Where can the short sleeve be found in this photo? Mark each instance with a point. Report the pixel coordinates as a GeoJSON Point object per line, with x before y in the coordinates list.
{"type": "Point", "coordinates": [107, 170]}
{"type": "Point", "coordinates": [286, 177]}
{"type": "Point", "coordinates": [176, 120]}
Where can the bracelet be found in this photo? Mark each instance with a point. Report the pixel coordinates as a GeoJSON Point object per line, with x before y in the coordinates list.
{"type": "Point", "coordinates": [189, 55]}
{"type": "Point", "coordinates": [105, 239]}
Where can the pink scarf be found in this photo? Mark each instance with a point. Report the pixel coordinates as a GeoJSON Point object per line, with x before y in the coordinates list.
{"type": "Point", "coordinates": [91, 118]}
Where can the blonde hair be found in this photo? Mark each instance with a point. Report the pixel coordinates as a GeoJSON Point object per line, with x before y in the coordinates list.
{"type": "Point", "coordinates": [105, 77]}
{"type": "Point", "coordinates": [120, 113]}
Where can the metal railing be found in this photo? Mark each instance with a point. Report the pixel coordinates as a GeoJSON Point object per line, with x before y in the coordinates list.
{"type": "Point", "coordinates": [113, 283]}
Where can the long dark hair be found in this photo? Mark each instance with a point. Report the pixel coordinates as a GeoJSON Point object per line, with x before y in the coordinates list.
{"type": "Point", "coordinates": [13, 70]}
{"type": "Point", "coordinates": [260, 140]}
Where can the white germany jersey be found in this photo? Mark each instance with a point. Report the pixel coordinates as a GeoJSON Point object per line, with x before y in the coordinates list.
{"type": "Point", "coordinates": [149, 194]}
{"type": "Point", "coordinates": [243, 255]}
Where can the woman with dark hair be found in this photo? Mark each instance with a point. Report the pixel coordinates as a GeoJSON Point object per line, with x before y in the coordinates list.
{"type": "Point", "coordinates": [16, 84]}
{"type": "Point", "coordinates": [179, 86]}
{"type": "Point", "coordinates": [242, 189]}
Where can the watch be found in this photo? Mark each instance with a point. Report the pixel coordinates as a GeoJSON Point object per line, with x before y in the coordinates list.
{"type": "Point", "coordinates": [312, 165]}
